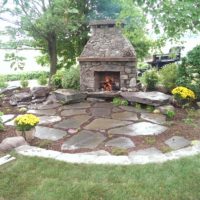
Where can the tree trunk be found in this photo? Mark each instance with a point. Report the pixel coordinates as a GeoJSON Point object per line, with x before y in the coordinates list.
{"type": "Point", "coordinates": [52, 50]}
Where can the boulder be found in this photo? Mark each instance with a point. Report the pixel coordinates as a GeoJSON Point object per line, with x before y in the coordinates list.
{"type": "Point", "coordinates": [20, 97]}
{"type": "Point", "coordinates": [149, 98]}
{"type": "Point", "coordinates": [9, 89]}
{"type": "Point", "coordinates": [11, 143]}
{"type": "Point", "coordinates": [67, 96]}
{"type": "Point", "coordinates": [39, 92]}
{"type": "Point", "coordinates": [164, 109]}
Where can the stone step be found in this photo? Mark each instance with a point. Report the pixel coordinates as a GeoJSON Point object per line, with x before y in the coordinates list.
{"type": "Point", "coordinates": [149, 98]}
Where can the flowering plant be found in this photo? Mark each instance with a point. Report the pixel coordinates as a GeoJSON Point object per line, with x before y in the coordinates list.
{"type": "Point", "coordinates": [26, 122]}
{"type": "Point", "coordinates": [183, 93]}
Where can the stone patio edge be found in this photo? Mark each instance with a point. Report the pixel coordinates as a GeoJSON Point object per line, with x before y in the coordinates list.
{"type": "Point", "coordinates": [79, 158]}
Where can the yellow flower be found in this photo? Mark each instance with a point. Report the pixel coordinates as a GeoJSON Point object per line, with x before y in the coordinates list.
{"type": "Point", "coordinates": [27, 120]}
{"type": "Point", "coordinates": [183, 93]}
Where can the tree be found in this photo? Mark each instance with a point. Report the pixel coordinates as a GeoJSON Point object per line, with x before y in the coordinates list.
{"type": "Point", "coordinates": [175, 17]}
{"type": "Point", "coordinates": [40, 23]}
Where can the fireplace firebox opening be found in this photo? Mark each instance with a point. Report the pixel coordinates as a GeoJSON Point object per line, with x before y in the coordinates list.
{"type": "Point", "coordinates": [107, 81]}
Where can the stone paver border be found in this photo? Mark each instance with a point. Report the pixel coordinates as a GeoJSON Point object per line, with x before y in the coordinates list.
{"type": "Point", "coordinates": [95, 158]}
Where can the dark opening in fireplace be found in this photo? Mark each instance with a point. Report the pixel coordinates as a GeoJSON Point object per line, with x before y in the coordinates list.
{"type": "Point", "coordinates": [107, 81]}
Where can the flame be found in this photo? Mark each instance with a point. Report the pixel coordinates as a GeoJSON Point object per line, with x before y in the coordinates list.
{"type": "Point", "coordinates": [108, 82]}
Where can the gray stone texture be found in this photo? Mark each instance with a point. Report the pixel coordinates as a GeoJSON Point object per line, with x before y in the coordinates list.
{"type": "Point", "coordinates": [49, 119]}
{"type": "Point", "coordinates": [69, 96]}
{"type": "Point", "coordinates": [43, 112]}
{"type": "Point", "coordinates": [71, 112]}
{"type": "Point", "coordinates": [100, 112]}
{"type": "Point", "coordinates": [6, 118]}
{"type": "Point", "coordinates": [11, 143]}
{"type": "Point", "coordinates": [125, 116]}
{"type": "Point", "coordinates": [121, 142]}
{"type": "Point", "coordinates": [104, 123]}
{"type": "Point", "coordinates": [177, 142]}
{"type": "Point", "coordinates": [140, 128]}
{"type": "Point", "coordinates": [82, 105]}
{"type": "Point", "coordinates": [106, 50]}
{"type": "Point", "coordinates": [165, 108]}
{"type": "Point", "coordinates": [149, 98]}
{"type": "Point", "coordinates": [146, 152]}
{"type": "Point", "coordinates": [52, 134]}
{"type": "Point", "coordinates": [41, 91]}
{"type": "Point", "coordinates": [73, 122]}
{"type": "Point", "coordinates": [84, 139]}
{"type": "Point", "coordinates": [155, 118]}
{"type": "Point", "coordinates": [20, 97]}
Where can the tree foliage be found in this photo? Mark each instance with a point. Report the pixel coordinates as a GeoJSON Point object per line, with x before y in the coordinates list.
{"type": "Point", "coordinates": [175, 17]}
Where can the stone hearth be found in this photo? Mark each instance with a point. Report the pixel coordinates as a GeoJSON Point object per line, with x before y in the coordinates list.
{"type": "Point", "coordinates": [108, 55]}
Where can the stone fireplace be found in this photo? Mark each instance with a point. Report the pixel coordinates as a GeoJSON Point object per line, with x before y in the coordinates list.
{"type": "Point", "coordinates": [108, 61]}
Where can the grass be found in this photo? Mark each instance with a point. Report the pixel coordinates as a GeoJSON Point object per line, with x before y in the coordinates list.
{"type": "Point", "coordinates": [44, 179]}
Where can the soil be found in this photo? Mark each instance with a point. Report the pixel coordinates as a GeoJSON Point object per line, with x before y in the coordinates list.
{"type": "Point", "coordinates": [178, 126]}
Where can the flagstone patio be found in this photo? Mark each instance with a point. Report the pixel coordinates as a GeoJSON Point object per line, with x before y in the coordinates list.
{"type": "Point", "coordinates": [89, 127]}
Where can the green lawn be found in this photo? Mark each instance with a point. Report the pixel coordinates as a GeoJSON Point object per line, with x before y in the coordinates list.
{"type": "Point", "coordinates": [44, 179]}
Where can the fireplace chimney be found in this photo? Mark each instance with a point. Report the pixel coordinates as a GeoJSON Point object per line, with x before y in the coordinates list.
{"type": "Point", "coordinates": [109, 52]}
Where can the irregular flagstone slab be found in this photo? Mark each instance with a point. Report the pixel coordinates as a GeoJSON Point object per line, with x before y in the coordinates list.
{"type": "Point", "coordinates": [6, 118]}
{"type": "Point", "coordinates": [177, 142]}
{"type": "Point", "coordinates": [45, 133]}
{"type": "Point", "coordinates": [110, 159]}
{"type": "Point", "coordinates": [121, 142]}
{"type": "Point", "coordinates": [84, 139]}
{"type": "Point", "coordinates": [104, 123]}
{"type": "Point", "coordinates": [103, 105]}
{"type": "Point", "coordinates": [73, 122]}
{"type": "Point", "coordinates": [155, 118]}
{"type": "Point", "coordinates": [82, 105]}
{"type": "Point", "coordinates": [49, 119]}
{"type": "Point", "coordinates": [150, 98]}
{"type": "Point", "coordinates": [70, 96]}
{"type": "Point", "coordinates": [71, 112]}
{"type": "Point", "coordinates": [44, 107]}
{"type": "Point", "coordinates": [6, 159]}
{"type": "Point", "coordinates": [43, 112]}
{"type": "Point", "coordinates": [10, 123]}
{"type": "Point", "coordinates": [100, 112]}
{"type": "Point", "coordinates": [125, 116]}
{"type": "Point", "coordinates": [133, 109]}
{"type": "Point", "coordinates": [116, 109]}
{"type": "Point", "coordinates": [140, 128]}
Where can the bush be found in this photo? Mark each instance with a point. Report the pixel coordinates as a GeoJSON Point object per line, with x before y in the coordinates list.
{"type": "Point", "coordinates": [28, 75]}
{"type": "Point", "coordinates": [3, 83]}
{"type": "Point", "coordinates": [71, 78]}
{"type": "Point", "coordinates": [193, 58]}
{"type": "Point", "coordinates": [42, 80]}
{"type": "Point", "coordinates": [24, 83]}
{"type": "Point", "coordinates": [120, 102]}
{"type": "Point", "coordinates": [168, 76]}
{"type": "Point", "coordinates": [150, 79]}
{"type": "Point", "coordinates": [56, 79]}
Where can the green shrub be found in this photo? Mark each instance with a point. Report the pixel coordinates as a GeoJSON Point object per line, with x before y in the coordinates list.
{"type": "Point", "coordinates": [117, 101]}
{"type": "Point", "coordinates": [168, 76]}
{"type": "Point", "coordinates": [56, 79]}
{"type": "Point", "coordinates": [3, 83]}
{"type": "Point", "coordinates": [24, 82]}
{"type": "Point", "coordinates": [71, 78]}
{"type": "Point", "coordinates": [150, 79]}
{"type": "Point", "coordinates": [193, 58]}
{"type": "Point", "coordinates": [28, 75]}
{"type": "Point", "coordinates": [170, 114]}
{"type": "Point", "coordinates": [42, 80]}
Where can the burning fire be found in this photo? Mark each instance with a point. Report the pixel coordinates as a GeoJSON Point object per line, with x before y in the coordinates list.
{"type": "Point", "coordinates": [108, 82]}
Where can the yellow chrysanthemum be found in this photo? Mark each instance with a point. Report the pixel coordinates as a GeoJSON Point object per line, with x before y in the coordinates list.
{"type": "Point", "coordinates": [183, 93]}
